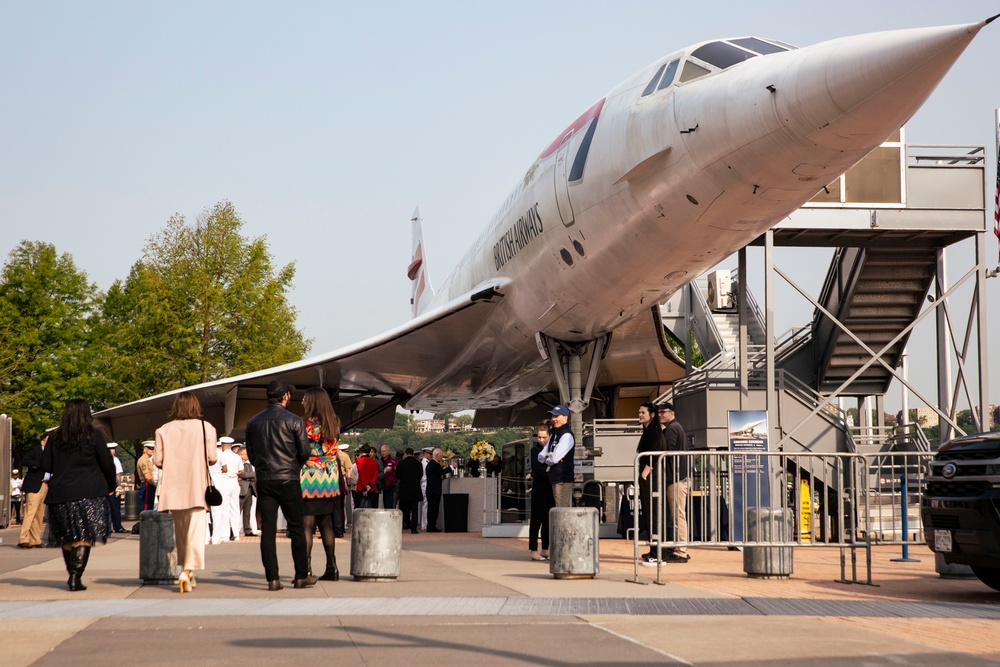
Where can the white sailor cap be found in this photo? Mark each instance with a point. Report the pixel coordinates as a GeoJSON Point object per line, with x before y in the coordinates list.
{"type": "Point", "coordinates": [112, 445]}
{"type": "Point", "coordinates": [149, 443]}
{"type": "Point", "coordinates": [344, 446]}
{"type": "Point", "coordinates": [237, 444]}
{"type": "Point", "coordinates": [428, 449]}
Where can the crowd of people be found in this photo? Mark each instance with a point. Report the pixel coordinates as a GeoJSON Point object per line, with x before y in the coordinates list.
{"type": "Point", "coordinates": [292, 464]}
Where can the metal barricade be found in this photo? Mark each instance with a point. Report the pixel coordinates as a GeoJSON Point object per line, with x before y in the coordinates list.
{"type": "Point", "coordinates": [843, 500]}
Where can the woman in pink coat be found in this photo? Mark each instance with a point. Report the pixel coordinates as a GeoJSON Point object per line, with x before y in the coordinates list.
{"type": "Point", "coordinates": [184, 447]}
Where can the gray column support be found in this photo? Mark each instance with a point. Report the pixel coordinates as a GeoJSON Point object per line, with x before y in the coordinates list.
{"type": "Point", "coordinates": [946, 432]}
{"type": "Point", "coordinates": [743, 337]}
{"type": "Point", "coordinates": [981, 333]}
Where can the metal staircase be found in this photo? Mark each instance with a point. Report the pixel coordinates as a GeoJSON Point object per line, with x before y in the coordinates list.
{"type": "Point", "coordinates": [876, 292]}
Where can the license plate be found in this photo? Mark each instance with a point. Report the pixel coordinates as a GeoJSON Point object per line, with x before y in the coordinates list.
{"type": "Point", "coordinates": [942, 541]}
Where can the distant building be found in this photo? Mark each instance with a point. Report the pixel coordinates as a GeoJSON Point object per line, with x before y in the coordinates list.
{"type": "Point", "coordinates": [428, 426]}
{"type": "Point", "coordinates": [927, 418]}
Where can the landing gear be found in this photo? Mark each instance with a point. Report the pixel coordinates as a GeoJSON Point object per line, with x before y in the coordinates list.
{"type": "Point", "coordinates": [567, 365]}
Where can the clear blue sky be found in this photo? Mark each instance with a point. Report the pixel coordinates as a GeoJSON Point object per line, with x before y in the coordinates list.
{"type": "Point", "coordinates": [327, 123]}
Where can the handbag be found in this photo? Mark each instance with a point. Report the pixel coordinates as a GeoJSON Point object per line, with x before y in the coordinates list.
{"type": "Point", "coordinates": [213, 497]}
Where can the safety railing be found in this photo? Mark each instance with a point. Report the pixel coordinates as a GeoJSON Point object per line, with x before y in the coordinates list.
{"type": "Point", "coordinates": [848, 501]}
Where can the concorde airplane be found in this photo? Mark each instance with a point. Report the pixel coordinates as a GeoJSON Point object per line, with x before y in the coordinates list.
{"type": "Point", "coordinates": [686, 161]}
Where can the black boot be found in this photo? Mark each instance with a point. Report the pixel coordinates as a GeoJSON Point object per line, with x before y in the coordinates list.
{"type": "Point", "coordinates": [78, 563]}
{"type": "Point", "coordinates": [309, 566]}
{"type": "Point", "coordinates": [332, 573]}
{"type": "Point", "coordinates": [69, 568]}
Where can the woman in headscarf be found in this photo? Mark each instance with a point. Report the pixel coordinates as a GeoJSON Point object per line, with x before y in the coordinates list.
{"type": "Point", "coordinates": [82, 474]}
{"type": "Point", "coordinates": [185, 446]}
{"type": "Point", "coordinates": [321, 475]}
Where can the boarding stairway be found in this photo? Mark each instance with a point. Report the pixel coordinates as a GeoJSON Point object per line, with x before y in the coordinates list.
{"type": "Point", "coordinates": [876, 292]}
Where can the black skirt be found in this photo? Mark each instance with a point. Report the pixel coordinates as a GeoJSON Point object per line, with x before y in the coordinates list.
{"type": "Point", "coordinates": [86, 520]}
{"type": "Point", "coordinates": [318, 506]}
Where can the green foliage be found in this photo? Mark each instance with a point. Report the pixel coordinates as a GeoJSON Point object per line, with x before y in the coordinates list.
{"type": "Point", "coordinates": [47, 309]}
{"type": "Point", "coordinates": [457, 442]}
{"type": "Point", "coordinates": [203, 303]}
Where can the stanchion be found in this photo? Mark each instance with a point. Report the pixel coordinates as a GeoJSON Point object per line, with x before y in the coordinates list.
{"type": "Point", "coordinates": [906, 532]}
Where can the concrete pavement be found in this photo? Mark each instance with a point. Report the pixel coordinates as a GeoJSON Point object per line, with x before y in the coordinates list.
{"type": "Point", "coordinates": [464, 598]}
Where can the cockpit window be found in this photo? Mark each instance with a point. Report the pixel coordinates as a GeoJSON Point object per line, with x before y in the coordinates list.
{"type": "Point", "coordinates": [758, 45]}
{"type": "Point", "coordinates": [668, 76]}
{"type": "Point", "coordinates": [692, 71]}
{"type": "Point", "coordinates": [721, 54]}
{"type": "Point", "coordinates": [651, 86]}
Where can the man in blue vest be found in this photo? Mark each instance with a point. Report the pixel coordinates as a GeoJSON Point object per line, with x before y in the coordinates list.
{"type": "Point", "coordinates": [558, 456]}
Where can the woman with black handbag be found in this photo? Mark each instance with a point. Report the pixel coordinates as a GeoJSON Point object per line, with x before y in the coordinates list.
{"type": "Point", "coordinates": [82, 474]}
{"type": "Point", "coordinates": [320, 475]}
{"type": "Point", "coordinates": [184, 448]}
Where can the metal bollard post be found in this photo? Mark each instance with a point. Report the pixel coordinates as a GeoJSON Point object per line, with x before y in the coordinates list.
{"type": "Point", "coordinates": [574, 538]}
{"type": "Point", "coordinates": [905, 525]}
{"type": "Point", "coordinates": [376, 544]}
{"type": "Point", "coordinates": [157, 549]}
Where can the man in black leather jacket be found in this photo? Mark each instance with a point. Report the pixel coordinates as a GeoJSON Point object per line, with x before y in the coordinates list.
{"type": "Point", "coordinates": [277, 447]}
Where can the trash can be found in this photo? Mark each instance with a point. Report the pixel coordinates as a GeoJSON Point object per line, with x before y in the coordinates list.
{"type": "Point", "coordinates": [132, 507]}
{"type": "Point", "coordinates": [456, 512]}
{"type": "Point", "coordinates": [769, 525]}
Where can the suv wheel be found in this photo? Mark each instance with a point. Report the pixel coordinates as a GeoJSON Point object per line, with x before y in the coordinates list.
{"type": "Point", "coordinates": [988, 575]}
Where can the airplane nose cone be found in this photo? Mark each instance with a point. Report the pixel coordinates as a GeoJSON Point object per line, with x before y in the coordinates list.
{"type": "Point", "coordinates": [858, 90]}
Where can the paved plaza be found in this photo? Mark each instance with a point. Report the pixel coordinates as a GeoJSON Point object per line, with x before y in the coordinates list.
{"type": "Point", "coordinates": [464, 598]}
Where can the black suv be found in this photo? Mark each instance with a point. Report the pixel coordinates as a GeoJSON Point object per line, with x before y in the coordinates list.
{"type": "Point", "coordinates": [961, 504]}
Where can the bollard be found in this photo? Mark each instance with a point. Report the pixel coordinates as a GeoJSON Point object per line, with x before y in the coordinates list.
{"type": "Point", "coordinates": [376, 544]}
{"type": "Point", "coordinates": [573, 542]}
{"type": "Point", "coordinates": [905, 558]}
{"type": "Point", "coordinates": [157, 550]}
{"type": "Point", "coordinates": [768, 525]}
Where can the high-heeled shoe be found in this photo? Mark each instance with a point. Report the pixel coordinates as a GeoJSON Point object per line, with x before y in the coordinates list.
{"type": "Point", "coordinates": [185, 583]}
{"type": "Point", "coordinates": [194, 582]}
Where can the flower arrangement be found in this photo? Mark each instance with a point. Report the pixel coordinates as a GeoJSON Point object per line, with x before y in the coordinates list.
{"type": "Point", "coordinates": [483, 451]}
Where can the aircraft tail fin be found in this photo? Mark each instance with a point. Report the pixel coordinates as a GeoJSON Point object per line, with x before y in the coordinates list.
{"type": "Point", "coordinates": [422, 290]}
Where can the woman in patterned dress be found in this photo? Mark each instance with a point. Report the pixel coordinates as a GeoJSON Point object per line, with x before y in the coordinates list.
{"type": "Point", "coordinates": [82, 474]}
{"type": "Point", "coordinates": [318, 492]}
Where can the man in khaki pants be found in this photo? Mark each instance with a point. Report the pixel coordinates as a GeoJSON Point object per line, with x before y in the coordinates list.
{"type": "Point", "coordinates": [34, 490]}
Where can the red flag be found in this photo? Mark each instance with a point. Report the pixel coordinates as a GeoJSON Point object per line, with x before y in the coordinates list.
{"type": "Point", "coordinates": [996, 207]}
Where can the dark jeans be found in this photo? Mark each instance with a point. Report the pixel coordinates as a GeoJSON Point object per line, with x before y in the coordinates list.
{"type": "Point", "coordinates": [541, 502]}
{"type": "Point", "coordinates": [15, 506]}
{"type": "Point", "coordinates": [411, 514]}
{"type": "Point", "coordinates": [433, 506]}
{"type": "Point", "coordinates": [286, 494]}
{"type": "Point", "coordinates": [389, 498]}
{"type": "Point", "coordinates": [115, 505]}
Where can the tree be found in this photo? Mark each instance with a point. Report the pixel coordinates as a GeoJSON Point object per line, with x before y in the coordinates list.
{"type": "Point", "coordinates": [202, 303]}
{"type": "Point", "coordinates": [46, 315]}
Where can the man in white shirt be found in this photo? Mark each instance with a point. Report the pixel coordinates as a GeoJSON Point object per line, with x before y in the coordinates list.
{"type": "Point", "coordinates": [231, 464]}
